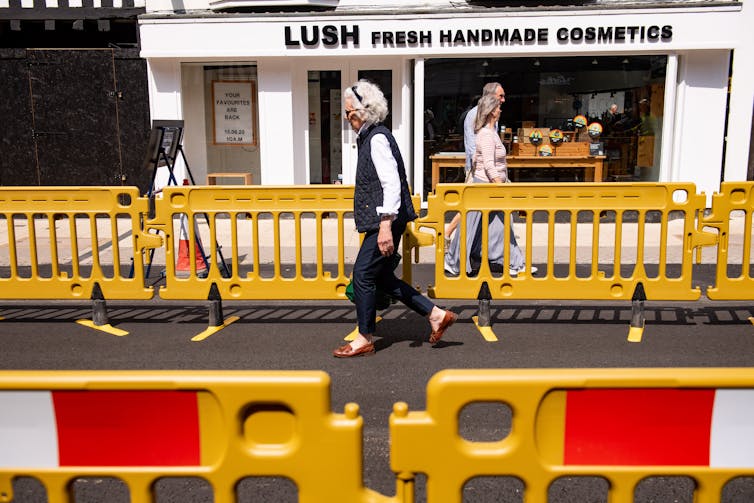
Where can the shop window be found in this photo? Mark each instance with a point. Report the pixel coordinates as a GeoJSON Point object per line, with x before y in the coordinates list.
{"type": "Point", "coordinates": [623, 94]}
{"type": "Point", "coordinates": [221, 138]}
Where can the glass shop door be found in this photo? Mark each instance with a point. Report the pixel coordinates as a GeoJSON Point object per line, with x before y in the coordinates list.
{"type": "Point", "coordinates": [332, 143]}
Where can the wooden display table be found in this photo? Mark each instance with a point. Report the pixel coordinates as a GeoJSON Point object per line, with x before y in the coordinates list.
{"type": "Point", "coordinates": [592, 164]}
{"type": "Point", "coordinates": [212, 177]}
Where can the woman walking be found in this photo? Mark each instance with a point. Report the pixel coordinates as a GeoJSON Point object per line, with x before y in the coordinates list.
{"type": "Point", "coordinates": [488, 166]}
{"type": "Point", "coordinates": [382, 209]}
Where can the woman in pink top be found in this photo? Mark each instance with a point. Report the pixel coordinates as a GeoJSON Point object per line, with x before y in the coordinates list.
{"type": "Point", "coordinates": [489, 158]}
{"type": "Point", "coordinates": [488, 166]}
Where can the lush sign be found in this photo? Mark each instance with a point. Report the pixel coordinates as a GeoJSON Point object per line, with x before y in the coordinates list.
{"type": "Point", "coordinates": [344, 36]}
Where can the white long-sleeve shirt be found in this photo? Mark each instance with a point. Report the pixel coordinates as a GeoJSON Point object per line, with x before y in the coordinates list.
{"type": "Point", "coordinates": [387, 172]}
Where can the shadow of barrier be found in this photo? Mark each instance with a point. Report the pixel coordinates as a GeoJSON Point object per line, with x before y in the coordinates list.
{"type": "Point", "coordinates": [143, 428]}
{"type": "Point", "coordinates": [140, 427]}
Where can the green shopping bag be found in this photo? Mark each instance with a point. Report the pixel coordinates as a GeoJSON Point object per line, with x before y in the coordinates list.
{"type": "Point", "coordinates": [382, 299]}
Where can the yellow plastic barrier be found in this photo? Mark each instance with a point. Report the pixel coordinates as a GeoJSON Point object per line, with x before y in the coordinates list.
{"type": "Point", "coordinates": [733, 204]}
{"type": "Point", "coordinates": [245, 210]}
{"type": "Point", "coordinates": [619, 424]}
{"type": "Point", "coordinates": [592, 267]}
{"type": "Point", "coordinates": [142, 426]}
{"type": "Point", "coordinates": [295, 242]}
{"type": "Point", "coordinates": [63, 240]}
{"type": "Point", "coordinates": [261, 225]}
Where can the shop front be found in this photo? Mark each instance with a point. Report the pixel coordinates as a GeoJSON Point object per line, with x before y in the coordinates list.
{"type": "Point", "coordinates": [657, 92]}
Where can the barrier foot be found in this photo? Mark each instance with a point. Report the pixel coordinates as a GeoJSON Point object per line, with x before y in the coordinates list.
{"type": "Point", "coordinates": [99, 306]}
{"type": "Point", "coordinates": [216, 318]}
{"type": "Point", "coordinates": [484, 297]}
{"type": "Point", "coordinates": [215, 306]}
{"type": "Point", "coordinates": [636, 330]}
{"type": "Point", "coordinates": [484, 313]}
{"type": "Point", "coordinates": [107, 328]}
{"type": "Point", "coordinates": [486, 331]}
{"type": "Point", "coordinates": [635, 334]}
{"type": "Point", "coordinates": [99, 319]}
{"type": "Point", "coordinates": [355, 332]}
{"type": "Point", "coordinates": [213, 330]}
{"type": "Point", "coordinates": [483, 321]}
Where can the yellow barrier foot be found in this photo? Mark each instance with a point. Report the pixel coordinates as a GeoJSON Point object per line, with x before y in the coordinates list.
{"type": "Point", "coordinates": [486, 332]}
{"type": "Point", "coordinates": [751, 319]}
{"type": "Point", "coordinates": [355, 333]}
{"type": "Point", "coordinates": [635, 333]}
{"type": "Point", "coordinates": [103, 328]}
{"type": "Point", "coordinates": [213, 330]}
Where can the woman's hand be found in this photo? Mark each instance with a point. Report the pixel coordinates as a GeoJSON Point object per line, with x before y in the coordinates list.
{"type": "Point", "coordinates": [385, 238]}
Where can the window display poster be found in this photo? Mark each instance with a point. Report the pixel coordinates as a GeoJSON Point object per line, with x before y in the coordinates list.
{"type": "Point", "coordinates": [233, 103]}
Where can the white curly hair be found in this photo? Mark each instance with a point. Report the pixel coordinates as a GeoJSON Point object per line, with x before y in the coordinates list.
{"type": "Point", "coordinates": [367, 100]}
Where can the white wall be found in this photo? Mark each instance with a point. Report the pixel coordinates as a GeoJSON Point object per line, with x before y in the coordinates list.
{"type": "Point", "coordinates": [300, 122]}
{"type": "Point", "coordinates": [737, 154]}
{"type": "Point", "coordinates": [276, 124]}
{"type": "Point", "coordinates": [164, 80]}
{"type": "Point", "coordinates": [194, 134]}
{"type": "Point", "coordinates": [703, 80]}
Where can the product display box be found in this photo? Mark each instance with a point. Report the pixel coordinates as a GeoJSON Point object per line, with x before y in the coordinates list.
{"type": "Point", "coordinates": [573, 149]}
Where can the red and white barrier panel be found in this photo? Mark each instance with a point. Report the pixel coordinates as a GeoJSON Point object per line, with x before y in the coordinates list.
{"type": "Point", "coordinates": [44, 429]}
{"type": "Point", "coordinates": [665, 427]}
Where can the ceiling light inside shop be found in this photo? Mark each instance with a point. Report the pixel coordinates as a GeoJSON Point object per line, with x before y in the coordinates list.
{"type": "Point", "coordinates": [536, 62]}
{"type": "Point", "coordinates": [594, 61]}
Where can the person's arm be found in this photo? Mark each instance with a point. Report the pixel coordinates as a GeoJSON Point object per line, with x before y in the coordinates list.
{"type": "Point", "coordinates": [502, 161]}
{"type": "Point", "coordinates": [387, 171]}
{"type": "Point", "coordinates": [469, 136]}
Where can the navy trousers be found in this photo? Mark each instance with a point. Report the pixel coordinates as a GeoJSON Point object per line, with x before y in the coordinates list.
{"type": "Point", "coordinates": [372, 269]}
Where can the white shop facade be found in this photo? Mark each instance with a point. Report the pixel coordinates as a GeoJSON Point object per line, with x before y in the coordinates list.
{"type": "Point", "coordinates": [259, 92]}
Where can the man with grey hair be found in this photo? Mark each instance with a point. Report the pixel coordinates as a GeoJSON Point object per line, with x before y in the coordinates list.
{"type": "Point", "coordinates": [469, 142]}
{"type": "Point", "coordinates": [469, 136]}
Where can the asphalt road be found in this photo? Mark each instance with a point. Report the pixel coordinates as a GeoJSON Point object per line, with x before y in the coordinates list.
{"type": "Point", "coordinates": [301, 335]}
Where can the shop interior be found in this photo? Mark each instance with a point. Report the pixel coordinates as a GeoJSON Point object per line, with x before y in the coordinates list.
{"type": "Point", "coordinates": [546, 94]}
